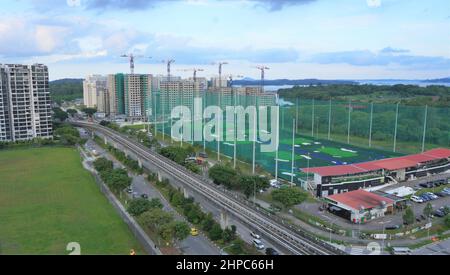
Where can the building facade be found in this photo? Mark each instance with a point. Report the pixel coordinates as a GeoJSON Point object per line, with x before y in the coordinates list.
{"type": "Point", "coordinates": [332, 180]}
{"type": "Point", "coordinates": [25, 104]}
{"type": "Point", "coordinates": [93, 87]}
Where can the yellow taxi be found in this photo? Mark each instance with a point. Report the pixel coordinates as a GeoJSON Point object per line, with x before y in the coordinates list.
{"type": "Point", "coordinates": [194, 232]}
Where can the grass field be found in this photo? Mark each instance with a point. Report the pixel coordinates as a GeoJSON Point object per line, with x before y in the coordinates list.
{"type": "Point", "coordinates": [336, 152]}
{"type": "Point", "coordinates": [47, 200]}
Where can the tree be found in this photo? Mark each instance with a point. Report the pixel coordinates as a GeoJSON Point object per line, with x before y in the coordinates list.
{"type": "Point", "coordinates": [447, 220]}
{"type": "Point", "coordinates": [207, 222]}
{"type": "Point", "coordinates": [228, 235]}
{"type": "Point", "coordinates": [289, 196]}
{"type": "Point", "coordinates": [139, 206]}
{"type": "Point", "coordinates": [181, 230]}
{"type": "Point", "coordinates": [223, 175]}
{"type": "Point", "coordinates": [428, 210]}
{"type": "Point", "coordinates": [215, 233]}
{"type": "Point", "coordinates": [72, 112]}
{"type": "Point", "coordinates": [59, 114]}
{"type": "Point", "coordinates": [408, 217]}
{"type": "Point", "coordinates": [156, 203]}
{"type": "Point", "coordinates": [251, 184]}
{"type": "Point", "coordinates": [102, 164]}
{"type": "Point", "coordinates": [89, 111]}
{"type": "Point", "coordinates": [118, 179]}
{"type": "Point", "coordinates": [155, 218]}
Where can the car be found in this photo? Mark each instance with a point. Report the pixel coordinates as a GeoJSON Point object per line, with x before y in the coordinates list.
{"type": "Point", "coordinates": [255, 236]}
{"type": "Point", "coordinates": [130, 190]}
{"type": "Point", "coordinates": [144, 196]}
{"type": "Point", "coordinates": [274, 183]}
{"type": "Point", "coordinates": [271, 251]}
{"type": "Point", "coordinates": [432, 195]}
{"type": "Point", "coordinates": [258, 244]}
{"type": "Point", "coordinates": [392, 227]}
{"type": "Point", "coordinates": [439, 213]}
{"type": "Point", "coordinates": [442, 194]}
{"type": "Point", "coordinates": [424, 185]}
{"type": "Point", "coordinates": [203, 155]}
{"type": "Point", "coordinates": [425, 197]}
{"type": "Point", "coordinates": [445, 209]}
{"type": "Point", "coordinates": [194, 232]}
{"type": "Point", "coordinates": [416, 199]}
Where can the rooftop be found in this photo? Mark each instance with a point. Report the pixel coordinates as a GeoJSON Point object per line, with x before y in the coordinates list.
{"type": "Point", "coordinates": [386, 164]}
{"type": "Point", "coordinates": [360, 199]}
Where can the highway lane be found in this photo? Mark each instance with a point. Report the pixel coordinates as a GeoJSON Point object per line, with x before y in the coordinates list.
{"type": "Point", "coordinates": [293, 239]}
{"type": "Point", "coordinates": [199, 245]}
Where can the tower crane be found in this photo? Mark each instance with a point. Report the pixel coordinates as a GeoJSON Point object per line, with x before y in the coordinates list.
{"type": "Point", "coordinates": [169, 63]}
{"type": "Point", "coordinates": [132, 58]}
{"type": "Point", "coordinates": [263, 72]}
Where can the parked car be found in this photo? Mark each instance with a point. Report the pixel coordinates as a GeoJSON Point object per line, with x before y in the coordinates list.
{"type": "Point", "coordinates": [203, 155]}
{"type": "Point", "coordinates": [432, 195]}
{"type": "Point", "coordinates": [443, 194]}
{"type": "Point", "coordinates": [275, 183]}
{"type": "Point", "coordinates": [271, 251]}
{"type": "Point", "coordinates": [255, 236]}
{"type": "Point", "coordinates": [130, 190]}
{"type": "Point", "coordinates": [424, 185]}
{"type": "Point", "coordinates": [258, 244]}
{"type": "Point", "coordinates": [445, 209]}
{"type": "Point", "coordinates": [144, 196]}
{"type": "Point", "coordinates": [392, 227]}
{"type": "Point", "coordinates": [439, 213]}
{"type": "Point", "coordinates": [416, 199]}
{"type": "Point", "coordinates": [425, 198]}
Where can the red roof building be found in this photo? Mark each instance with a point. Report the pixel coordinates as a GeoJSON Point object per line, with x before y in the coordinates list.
{"type": "Point", "coordinates": [360, 199]}
{"type": "Point", "coordinates": [384, 164]}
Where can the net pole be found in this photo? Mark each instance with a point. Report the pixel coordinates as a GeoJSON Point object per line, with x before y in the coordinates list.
{"type": "Point", "coordinates": [396, 127]}
{"type": "Point", "coordinates": [277, 144]}
{"type": "Point", "coordinates": [293, 152]}
{"type": "Point", "coordinates": [234, 130]}
{"type": "Point", "coordinates": [349, 120]}
{"type": "Point", "coordinates": [371, 125]}
{"type": "Point", "coordinates": [254, 138]}
{"type": "Point", "coordinates": [296, 117]}
{"type": "Point", "coordinates": [312, 118]}
{"type": "Point", "coordinates": [424, 128]}
{"type": "Point", "coordinates": [329, 121]}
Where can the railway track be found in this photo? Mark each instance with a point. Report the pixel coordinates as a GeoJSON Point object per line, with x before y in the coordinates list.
{"type": "Point", "coordinates": [291, 238]}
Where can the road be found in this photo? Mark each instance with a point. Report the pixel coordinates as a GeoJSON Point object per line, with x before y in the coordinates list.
{"type": "Point", "coordinates": [441, 248]}
{"type": "Point", "coordinates": [293, 239]}
{"type": "Point", "coordinates": [199, 245]}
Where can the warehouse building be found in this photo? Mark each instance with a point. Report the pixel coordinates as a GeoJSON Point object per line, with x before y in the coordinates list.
{"type": "Point", "coordinates": [331, 180]}
{"type": "Point", "coordinates": [360, 206]}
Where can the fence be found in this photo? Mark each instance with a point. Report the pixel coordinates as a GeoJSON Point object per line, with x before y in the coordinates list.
{"type": "Point", "coordinates": [311, 132]}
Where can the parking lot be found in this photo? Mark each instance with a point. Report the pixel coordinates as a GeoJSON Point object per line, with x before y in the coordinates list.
{"type": "Point", "coordinates": [436, 191]}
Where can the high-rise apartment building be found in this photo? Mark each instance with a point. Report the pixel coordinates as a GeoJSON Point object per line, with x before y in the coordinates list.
{"type": "Point", "coordinates": [25, 104]}
{"type": "Point", "coordinates": [137, 95]}
{"type": "Point", "coordinates": [93, 86]}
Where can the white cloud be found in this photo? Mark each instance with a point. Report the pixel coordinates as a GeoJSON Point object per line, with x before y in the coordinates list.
{"type": "Point", "coordinates": [373, 3]}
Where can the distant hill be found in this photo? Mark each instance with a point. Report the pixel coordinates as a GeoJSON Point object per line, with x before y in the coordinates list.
{"type": "Point", "coordinates": [300, 82]}
{"type": "Point", "coordinates": [66, 89]}
{"type": "Point", "coordinates": [68, 81]}
{"type": "Point", "coordinates": [438, 80]}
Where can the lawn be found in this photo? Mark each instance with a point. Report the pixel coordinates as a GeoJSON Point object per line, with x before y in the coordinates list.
{"type": "Point", "coordinates": [335, 152]}
{"type": "Point", "coordinates": [48, 200]}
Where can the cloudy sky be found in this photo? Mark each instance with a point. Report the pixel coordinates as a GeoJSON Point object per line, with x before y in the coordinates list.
{"type": "Point", "coordinates": [327, 39]}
